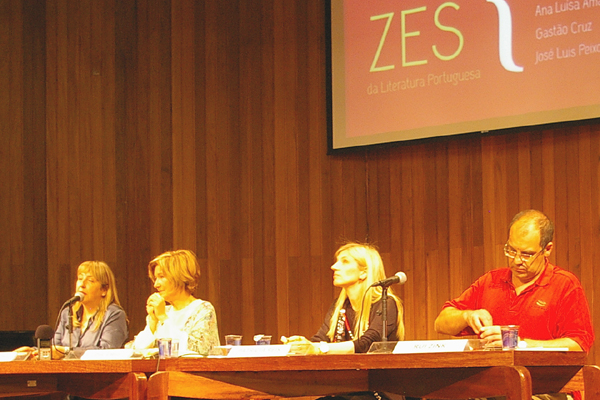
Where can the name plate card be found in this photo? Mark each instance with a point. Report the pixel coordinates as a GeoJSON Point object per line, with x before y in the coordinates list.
{"type": "Point", "coordinates": [273, 350]}
{"type": "Point", "coordinates": [432, 346]}
{"type": "Point", "coordinates": [8, 356]}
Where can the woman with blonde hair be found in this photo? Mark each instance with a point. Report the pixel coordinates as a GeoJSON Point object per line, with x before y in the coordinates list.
{"type": "Point", "coordinates": [354, 321]}
{"type": "Point", "coordinates": [98, 320]}
{"type": "Point", "coordinates": [190, 320]}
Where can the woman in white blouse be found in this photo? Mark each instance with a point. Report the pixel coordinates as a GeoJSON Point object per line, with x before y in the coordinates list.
{"type": "Point", "coordinates": [190, 320]}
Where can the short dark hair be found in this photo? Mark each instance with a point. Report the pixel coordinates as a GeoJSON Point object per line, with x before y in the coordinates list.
{"type": "Point", "coordinates": [541, 221]}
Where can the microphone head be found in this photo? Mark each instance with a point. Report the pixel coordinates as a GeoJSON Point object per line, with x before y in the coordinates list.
{"type": "Point", "coordinates": [402, 277]}
{"type": "Point", "coordinates": [44, 332]}
{"type": "Point", "coordinates": [79, 296]}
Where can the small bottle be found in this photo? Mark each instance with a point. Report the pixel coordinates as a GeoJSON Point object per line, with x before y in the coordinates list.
{"type": "Point", "coordinates": [340, 328]}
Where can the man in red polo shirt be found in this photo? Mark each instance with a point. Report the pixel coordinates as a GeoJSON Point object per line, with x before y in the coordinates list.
{"type": "Point", "coordinates": [547, 302]}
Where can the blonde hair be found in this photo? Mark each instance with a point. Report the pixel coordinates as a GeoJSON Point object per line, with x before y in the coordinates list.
{"type": "Point", "coordinates": [180, 267]}
{"type": "Point", "coordinates": [367, 257]}
{"type": "Point", "coordinates": [101, 272]}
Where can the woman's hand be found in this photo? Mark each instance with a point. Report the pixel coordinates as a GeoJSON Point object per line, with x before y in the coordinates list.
{"type": "Point", "coordinates": [58, 352]}
{"type": "Point", "coordinates": [301, 345]}
{"type": "Point", "coordinates": [33, 351]}
{"type": "Point", "coordinates": [155, 307]}
{"type": "Point", "coordinates": [294, 339]}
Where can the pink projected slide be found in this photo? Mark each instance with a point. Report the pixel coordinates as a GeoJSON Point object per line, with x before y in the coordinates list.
{"type": "Point", "coordinates": [408, 69]}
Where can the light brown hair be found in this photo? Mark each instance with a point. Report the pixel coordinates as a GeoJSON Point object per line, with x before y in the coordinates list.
{"type": "Point", "coordinates": [180, 267]}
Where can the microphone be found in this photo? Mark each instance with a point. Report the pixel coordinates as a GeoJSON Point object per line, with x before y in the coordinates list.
{"type": "Point", "coordinates": [77, 297]}
{"type": "Point", "coordinates": [44, 335]}
{"type": "Point", "coordinates": [400, 278]}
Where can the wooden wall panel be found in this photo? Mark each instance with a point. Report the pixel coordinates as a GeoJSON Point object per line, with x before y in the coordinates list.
{"type": "Point", "coordinates": [141, 126]}
{"type": "Point", "coordinates": [33, 205]}
{"type": "Point", "coordinates": [22, 165]}
{"type": "Point", "coordinates": [7, 166]}
{"type": "Point", "coordinates": [144, 145]}
{"type": "Point", "coordinates": [80, 152]}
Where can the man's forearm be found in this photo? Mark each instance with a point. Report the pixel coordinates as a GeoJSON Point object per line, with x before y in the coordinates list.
{"type": "Point", "coordinates": [451, 321]}
{"type": "Point", "coordinates": [562, 342]}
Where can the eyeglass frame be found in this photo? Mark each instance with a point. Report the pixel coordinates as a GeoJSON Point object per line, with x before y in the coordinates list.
{"type": "Point", "coordinates": [530, 257]}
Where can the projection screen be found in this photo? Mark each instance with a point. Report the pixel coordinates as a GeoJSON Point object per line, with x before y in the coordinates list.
{"type": "Point", "coordinates": [404, 70]}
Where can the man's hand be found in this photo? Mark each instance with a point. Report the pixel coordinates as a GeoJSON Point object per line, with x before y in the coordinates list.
{"type": "Point", "coordinates": [452, 321]}
{"type": "Point", "coordinates": [477, 319]}
{"type": "Point", "coordinates": [492, 335]}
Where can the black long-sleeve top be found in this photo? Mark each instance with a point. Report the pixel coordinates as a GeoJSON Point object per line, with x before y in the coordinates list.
{"type": "Point", "coordinates": [372, 334]}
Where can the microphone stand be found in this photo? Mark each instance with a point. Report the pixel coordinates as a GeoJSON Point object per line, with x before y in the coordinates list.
{"type": "Point", "coordinates": [384, 297]}
{"type": "Point", "coordinates": [69, 355]}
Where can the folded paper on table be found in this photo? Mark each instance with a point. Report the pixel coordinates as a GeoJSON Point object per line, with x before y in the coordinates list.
{"type": "Point", "coordinates": [543, 349]}
{"type": "Point", "coordinates": [108, 354]}
{"type": "Point", "coordinates": [13, 356]}
{"type": "Point", "coordinates": [274, 350]}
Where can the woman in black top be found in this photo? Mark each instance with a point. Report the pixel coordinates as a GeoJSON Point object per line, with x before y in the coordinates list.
{"type": "Point", "coordinates": [354, 321]}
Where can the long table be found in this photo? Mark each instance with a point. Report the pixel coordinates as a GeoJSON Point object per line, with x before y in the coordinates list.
{"type": "Point", "coordinates": [91, 379]}
{"type": "Point", "coordinates": [515, 374]}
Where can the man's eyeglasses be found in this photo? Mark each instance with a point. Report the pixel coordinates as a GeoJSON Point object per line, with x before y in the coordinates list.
{"type": "Point", "coordinates": [525, 258]}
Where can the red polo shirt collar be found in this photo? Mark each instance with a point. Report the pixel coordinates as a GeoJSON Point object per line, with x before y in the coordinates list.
{"type": "Point", "coordinates": [542, 280]}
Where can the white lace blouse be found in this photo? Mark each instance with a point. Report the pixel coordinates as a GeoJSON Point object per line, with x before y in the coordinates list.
{"type": "Point", "coordinates": [195, 326]}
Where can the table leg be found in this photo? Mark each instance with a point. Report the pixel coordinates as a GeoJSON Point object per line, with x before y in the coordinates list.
{"type": "Point", "coordinates": [139, 386]}
{"type": "Point", "coordinates": [591, 382]}
{"type": "Point", "coordinates": [158, 386]}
